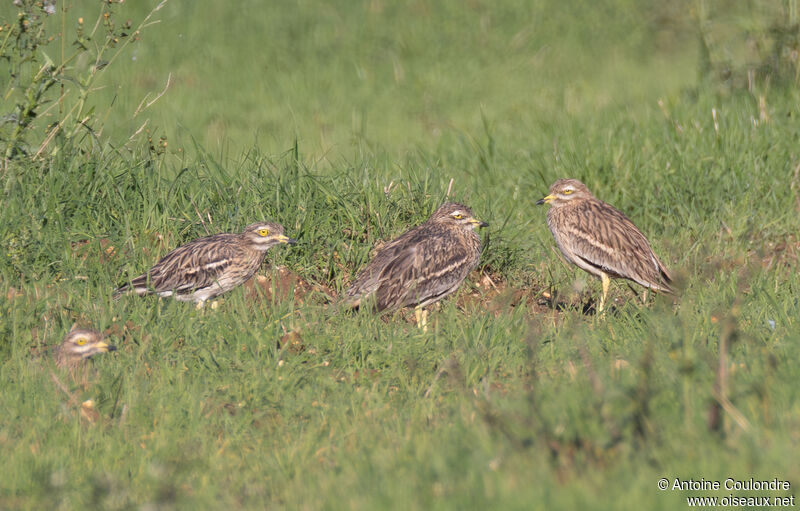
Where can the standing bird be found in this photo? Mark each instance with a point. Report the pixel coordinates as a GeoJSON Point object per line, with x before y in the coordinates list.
{"type": "Point", "coordinates": [207, 267]}
{"type": "Point", "coordinates": [599, 239]}
{"type": "Point", "coordinates": [80, 344]}
{"type": "Point", "coordinates": [423, 265]}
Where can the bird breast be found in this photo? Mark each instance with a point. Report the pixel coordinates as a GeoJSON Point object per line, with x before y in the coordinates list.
{"type": "Point", "coordinates": [557, 221]}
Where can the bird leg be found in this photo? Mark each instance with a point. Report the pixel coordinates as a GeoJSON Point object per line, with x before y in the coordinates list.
{"type": "Point", "coordinates": [606, 282]}
{"type": "Point", "coordinates": [644, 296]}
{"type": "Point", "coordinates": [422, 318]}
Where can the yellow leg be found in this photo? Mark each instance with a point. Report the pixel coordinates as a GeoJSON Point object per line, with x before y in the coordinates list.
{"type": "Point", "coordinates": [422, 318]}
{"type": "Point", "coordinates": [606, 282]}
{"type": "Point", "coordinates": [644, 296]}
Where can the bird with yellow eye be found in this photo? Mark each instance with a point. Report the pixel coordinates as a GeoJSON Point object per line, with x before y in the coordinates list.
{"type": "Point", "coordinates": [79, 345]}
{"type": "Point", "coordinates": [421, 266]}
{"type": "Point", "coordinates": [208, 267]}
{"type": "Point", "coordinates": [599, 239]}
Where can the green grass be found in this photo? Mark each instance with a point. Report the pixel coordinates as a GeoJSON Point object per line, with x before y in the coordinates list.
{"type": "Point", "coordinates": [504, 403]}
{"type": "Point", "coordinates": [343, 78]}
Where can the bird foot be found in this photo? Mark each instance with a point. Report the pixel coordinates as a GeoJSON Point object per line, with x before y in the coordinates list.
{"type": "Point", "coordinates": [422, 318]}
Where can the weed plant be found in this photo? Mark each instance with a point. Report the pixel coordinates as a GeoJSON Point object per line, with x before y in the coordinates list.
{"type": "Point", "coordinates": [517, 397]}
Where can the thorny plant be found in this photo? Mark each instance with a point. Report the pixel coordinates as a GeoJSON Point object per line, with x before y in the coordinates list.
{"type": "Point", "coordinates": [39, 90]}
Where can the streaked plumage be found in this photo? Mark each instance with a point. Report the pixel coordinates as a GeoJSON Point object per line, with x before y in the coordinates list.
{"type": "Point", "coordinates": [600, 239]}
{"type": "Point", "coordinates": [423, 265]}
{"type": "Point", "coordinates": [80, 344]}
{"type": "Point", "coordinates": [207, 267]}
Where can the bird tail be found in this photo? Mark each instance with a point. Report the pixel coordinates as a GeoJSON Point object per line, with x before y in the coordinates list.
{"type": "Point", "coordinates": [121, 290]}
{"type": "Point", "coordinates": [137, 285]}
{"type": "Point", "coordinates": [665, 284]}
{"type": "Point", "coordinates": [666, 288]}
{"type": "Point", "coordinates": [666, 280]}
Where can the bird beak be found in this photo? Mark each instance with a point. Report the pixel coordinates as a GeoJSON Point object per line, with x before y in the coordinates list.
{"type": "Point", "coordinates": [545, 200]}
{"type": "Point", "coordinates": [477, 223]}
{"type": "Point", "coordinates": [286, 239]}
{"type": "Point", "coordinates": [105, 347]}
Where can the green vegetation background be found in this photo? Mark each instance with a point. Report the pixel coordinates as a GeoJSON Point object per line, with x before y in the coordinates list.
{"type": "Point", "coordinates": [349, 122]}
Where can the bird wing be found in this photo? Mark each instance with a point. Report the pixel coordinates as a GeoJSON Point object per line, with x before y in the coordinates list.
{"type": "Point", "coordinates": [419, 267]}
{"type": "Point", "coordinates": [195, 265]}
{"type": "Point", "coordinates": [399, 275]}
{"type": "Point", "coordinates": [615, 245]}
{"type": "Point", "coordinates": [369, 279]}
{"type": "Point", "coordinates": [423, 269]}
{"type": "Point", "coordinates": [422, 274]}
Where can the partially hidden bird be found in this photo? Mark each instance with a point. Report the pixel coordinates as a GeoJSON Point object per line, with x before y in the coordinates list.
{"type": "Point", "coordinates": [79, 345]}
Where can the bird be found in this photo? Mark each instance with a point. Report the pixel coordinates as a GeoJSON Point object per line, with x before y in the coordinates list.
{"type": "Point", "coordinates": [80, 344]}
{"type": "Point", "coordinates": [421, 266]}
{"type": "Point", "coordinates": [208, 267]}
{"type": "Point", "coordinates": [599, 239]}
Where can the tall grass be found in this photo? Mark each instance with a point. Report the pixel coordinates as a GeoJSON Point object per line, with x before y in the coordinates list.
{"type": "Point", "coordinates": [515, 398]}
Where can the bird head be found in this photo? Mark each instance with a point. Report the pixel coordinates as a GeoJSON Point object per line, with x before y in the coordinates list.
{"type": "Point", "coordinates": [565, 191]}
{"type": "Point", "coordinates": [458, 215]}
{"type": "Point", "coordinates": [265, 235]}
{"type": "Point", "coordinates": [81, 344]}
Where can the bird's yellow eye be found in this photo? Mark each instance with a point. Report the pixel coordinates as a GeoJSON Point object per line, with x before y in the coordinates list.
{"type": "Point", "coordinates": [567, 191]}
{"type": "Point", "coordinates": [80, 341]}
{"type": "Point", "coordinates": [263, 232]}
{"type": "Point", "coordinates": [458, 216]}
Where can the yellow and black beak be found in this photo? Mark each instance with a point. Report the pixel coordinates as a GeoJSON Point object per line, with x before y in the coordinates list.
{"type": "Point", "coordinates": [286, 239]}
{"type": "Point", "coordinates": [545, 200]}
{"type": "Point", "coordinates": [477, 223]}
{"type": "Point", "coordinates": [105, 347]}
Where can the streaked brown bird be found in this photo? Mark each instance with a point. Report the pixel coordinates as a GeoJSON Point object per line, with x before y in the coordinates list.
{"type": "Point", "coordinates": [80, 344]}
{"type": "Point", "coordinates": [423, 265]}
{"type": "Point", "coordinates": [599, 239]}
{"type": "Point", "coordinates": [207, 267]}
